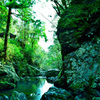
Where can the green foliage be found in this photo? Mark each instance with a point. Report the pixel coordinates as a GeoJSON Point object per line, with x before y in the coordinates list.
{"type": "Point", "coordinates": [25, 14]}
{"type": "Point", "coordinates": [79, 18]}
{"type": "Point", "coordinates": [39, 57]}
{"type": "Point", "coordinates": [60, 6]}
{"type": "Point", "coordinates": [14, 52]}
{"type": "Point", "coordinates": [1, 48]}
{"type": "Point", "coordinates": [29, 30]}
{"type": "Point", "coordinates": [3, 16]}
{"type": "Point", "coordinates": [1, 44]}
{"type": "Point", "coordinates": [54, 55]}
{"type": "Point", "coordinates": [28, 53]}
{"type": "Point", "coordinates": [52, 59]}
{"type": "Point", "coordinates": [19, 4]}
{"type": "Point", "coordinates": [39, 29]}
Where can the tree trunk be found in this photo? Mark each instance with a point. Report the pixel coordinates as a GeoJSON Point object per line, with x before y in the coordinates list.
{"type": "Point", "coordinates": [6, 34]}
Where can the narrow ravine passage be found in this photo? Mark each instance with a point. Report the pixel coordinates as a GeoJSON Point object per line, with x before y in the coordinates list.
{"type": "Point", "coordinates": [49, 49]}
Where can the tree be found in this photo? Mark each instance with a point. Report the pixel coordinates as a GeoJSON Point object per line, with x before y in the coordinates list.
{"type": "Point", "coordinates": [52, 58]}
{"type": "Point", "coordinates": [54, 55]}
{"type": "Point", "coordinates": [3, 16]}
{"type": "Point", "coordinates": [6, 34]}
{"type": "Point", "coordinates": [60, 6]}
{"type": "Point", "coordinates": [31, 32]}
{"type": "Point", "coordinates": [13, 4]}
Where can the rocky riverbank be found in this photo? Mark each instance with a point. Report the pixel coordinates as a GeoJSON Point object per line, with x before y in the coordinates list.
{"type": "Point", "coordinates": [15, 96]}
{"type": "Point", "coordinates": [8, 77]}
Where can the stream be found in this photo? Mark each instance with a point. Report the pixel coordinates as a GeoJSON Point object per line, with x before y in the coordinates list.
{"type": "Point", "coordinates": [33, 89]}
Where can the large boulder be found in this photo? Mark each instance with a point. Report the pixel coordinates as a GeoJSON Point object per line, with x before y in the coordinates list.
{"type": "Point", "coordinates": [55, 93]}
{"type": "Point", "coordinates": [8, 77]}
{"type": "Point", "coordinates": [4, 97]}
{"type": "Point", "coordinates": [82, 70]}
{"type": "Point", "coordinates": [51, 75]}
{"type": "Point", "coordinates": [17, 96]}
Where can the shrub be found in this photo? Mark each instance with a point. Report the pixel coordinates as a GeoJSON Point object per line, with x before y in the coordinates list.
{"type": "Point", "coordinates": [13, 53]}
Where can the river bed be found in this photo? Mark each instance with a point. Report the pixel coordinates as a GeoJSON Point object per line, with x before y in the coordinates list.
{"type": "Point", "coordinates": [33, 89]}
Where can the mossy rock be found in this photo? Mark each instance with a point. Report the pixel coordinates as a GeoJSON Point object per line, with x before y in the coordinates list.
{"type": "Point", "coordinates": [96, 98]}
{"type": "Point", "coordinates": [55, 93]}
{"type": "Point", "coordinates": [8, 77]}
{"type": "Point", "coordinates": [78, 86]}
{"type": "Point", "coordinates": [6, 85]}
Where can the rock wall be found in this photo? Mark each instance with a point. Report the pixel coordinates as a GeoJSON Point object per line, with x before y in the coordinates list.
{"type": "Point", "coordinates": [79, 23]}
{"type": "Point", "coordinates": [8, 77]}
{"type": "Point", "coordinates": [79, 35]}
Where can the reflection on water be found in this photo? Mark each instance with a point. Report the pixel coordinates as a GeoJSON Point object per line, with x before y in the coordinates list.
{"type": "Point", "coordinates": [33, 90]}
{"type": "Point", "coordinates": [42, 88]}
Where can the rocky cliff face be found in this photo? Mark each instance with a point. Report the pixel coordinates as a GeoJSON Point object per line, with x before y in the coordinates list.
{"type": "Point", "coordinates": [79, 23]}
{"type": "Point", "coordinates": [79, 35]}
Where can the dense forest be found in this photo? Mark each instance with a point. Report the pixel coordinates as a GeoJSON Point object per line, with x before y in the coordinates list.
{"type": "Point", "coordinates": [72, 62]}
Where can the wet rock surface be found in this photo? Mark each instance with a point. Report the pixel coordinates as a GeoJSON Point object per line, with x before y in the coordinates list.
{"type": "Point", "coordinates": [82, 72]}
{"type": "Point", "coordinates": [14, 96]}
{"type": "Point", "coordinates": [8, 77]}
{"type": "Point", "coordinates": [55, 93]}
{"type": "Point", "coordinates": [17, 96]}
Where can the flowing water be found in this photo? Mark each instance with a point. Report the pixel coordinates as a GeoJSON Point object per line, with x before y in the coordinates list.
{"type": "Point", "coordinates": [33, 89]}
